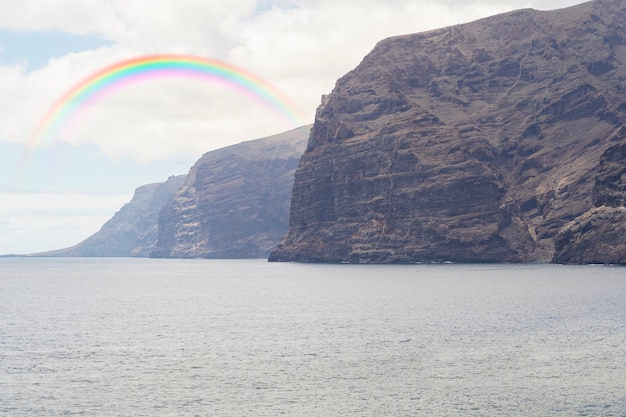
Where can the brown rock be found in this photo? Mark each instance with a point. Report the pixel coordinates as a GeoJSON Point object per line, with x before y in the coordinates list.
{"type": "Point", "coordinates": [599, 234]}
{"type": "Point", "coordinates": [472, 143]}
{"type": "Point", "coordinates": [235, 201]}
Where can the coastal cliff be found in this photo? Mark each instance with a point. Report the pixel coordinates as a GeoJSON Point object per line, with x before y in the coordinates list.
{"type": "Point", "coordinates": [132, 231]}
{"type": "Point", "coordinates": [235, 201]}
{"type": "Point", "coordinates": [499, 140]}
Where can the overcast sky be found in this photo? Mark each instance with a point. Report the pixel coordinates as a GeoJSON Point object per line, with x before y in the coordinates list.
{"type": "Point", "coordinates": [144, 133]}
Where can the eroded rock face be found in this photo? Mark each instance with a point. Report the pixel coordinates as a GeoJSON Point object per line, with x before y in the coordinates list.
{"type": "Point", "coordinates": [235, 202]}
{"type": "Point", "coordinates": [599, 234]}
{"type": "Point", "coordinates": [473, 143]}
{"type": "Point", "coordinates": [132, 231]}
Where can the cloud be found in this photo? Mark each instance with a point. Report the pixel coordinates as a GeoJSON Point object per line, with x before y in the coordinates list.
{"type": "Point", "coordinates": [138, 24]}
{"type": "Point", "coordinates": [301, 47]}
{"type": "Point", "coordinates": [34, 49]}
{"type": "Point", "coordinates": [63, 220]}
{"type": "Point", "coordinates": [61, 203]}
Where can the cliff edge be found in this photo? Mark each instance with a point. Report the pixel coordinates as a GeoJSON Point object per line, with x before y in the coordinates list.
{"type": "Point", "coordinates": [235, 201]}
{"type": "Point", "coordinates": [132, 231]}
{"type": "Point", "coordinates": [499, 140]}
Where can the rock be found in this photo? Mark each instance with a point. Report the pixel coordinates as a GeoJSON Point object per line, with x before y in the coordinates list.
{"type": "Point", "coordinates": [472, 143]}
{"type": "Point", "coordinates": [599, 234]}
{"type": "Point", "coordinates": [132, 231]}
{"type": "Point", "coordinates": [596, 237]}
{"type": "Point", "coordinates": [235, 201]}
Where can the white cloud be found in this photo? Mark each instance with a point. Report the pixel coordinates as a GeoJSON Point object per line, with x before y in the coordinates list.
{"type": "Point", "coordinates": [301, 47]}
{"type": "Point", "coordinates": [61, 203]}
{"type": "Point", "coordinates": [37, 222]}
{"type": "Point", "coordinates": [51, 14]}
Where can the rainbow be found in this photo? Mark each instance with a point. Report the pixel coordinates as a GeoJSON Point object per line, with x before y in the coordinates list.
{"type": "Point", "coordinates": [144, 68]}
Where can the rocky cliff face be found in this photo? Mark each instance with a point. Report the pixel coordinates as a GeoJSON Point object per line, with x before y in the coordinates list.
{"type": "Point", "coordinates": [132, 231]}
{"type": "Point", "coordinates": [235, 201]}
{"type": "Point", "coordinates": [599, 234]}
{"type": "Point", "coordinates": [484, 142]}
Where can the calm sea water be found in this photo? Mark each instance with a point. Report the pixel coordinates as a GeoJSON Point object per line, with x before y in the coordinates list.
{"type": "Point", "coordinates": [138, 337]}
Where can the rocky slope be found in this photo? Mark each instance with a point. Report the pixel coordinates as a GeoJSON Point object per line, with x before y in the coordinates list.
{"type": "Point", "coordinates": [494, 141]}
{"type": "Point", "coordinates": [599, 234]}
{"type": "Point", "coordinates": [132, 231]}
{"type": "Point", "coordinates": [235, 201]}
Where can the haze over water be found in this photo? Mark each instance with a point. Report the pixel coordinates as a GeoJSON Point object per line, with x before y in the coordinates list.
{"type": "Point", "coordinates": [139, 337]}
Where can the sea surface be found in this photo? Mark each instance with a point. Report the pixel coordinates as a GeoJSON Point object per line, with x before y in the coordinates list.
{"type": "Point", "coordinates": [141, 337]}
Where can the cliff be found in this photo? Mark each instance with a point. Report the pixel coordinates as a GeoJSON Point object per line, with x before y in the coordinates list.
{"type": "Point", "coordinates": [132, 231]}
{"type": "Point", "coordinates": [599, 234]}
{"type": "Point", "coordinates": [235, 201]}
{"type": "Point", "coordinates": [498, 140]}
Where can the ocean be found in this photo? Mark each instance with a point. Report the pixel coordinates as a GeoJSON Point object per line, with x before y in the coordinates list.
{"type": "Point", "coordinates": [154, 337]}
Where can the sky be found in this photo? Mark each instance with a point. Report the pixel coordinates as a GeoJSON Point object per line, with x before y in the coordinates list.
{"type": "Point", "coordinates": [56, 192]}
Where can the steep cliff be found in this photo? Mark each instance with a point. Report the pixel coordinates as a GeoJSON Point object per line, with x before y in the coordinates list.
{"type": "Point", "coordinates": [599, 234]}
{"type": "Point", "coordinates": [235, 201]}
{"type": "Point", "coordinates": [132, 231]}
{"type": "Point", "coordinates": [475, 143]}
